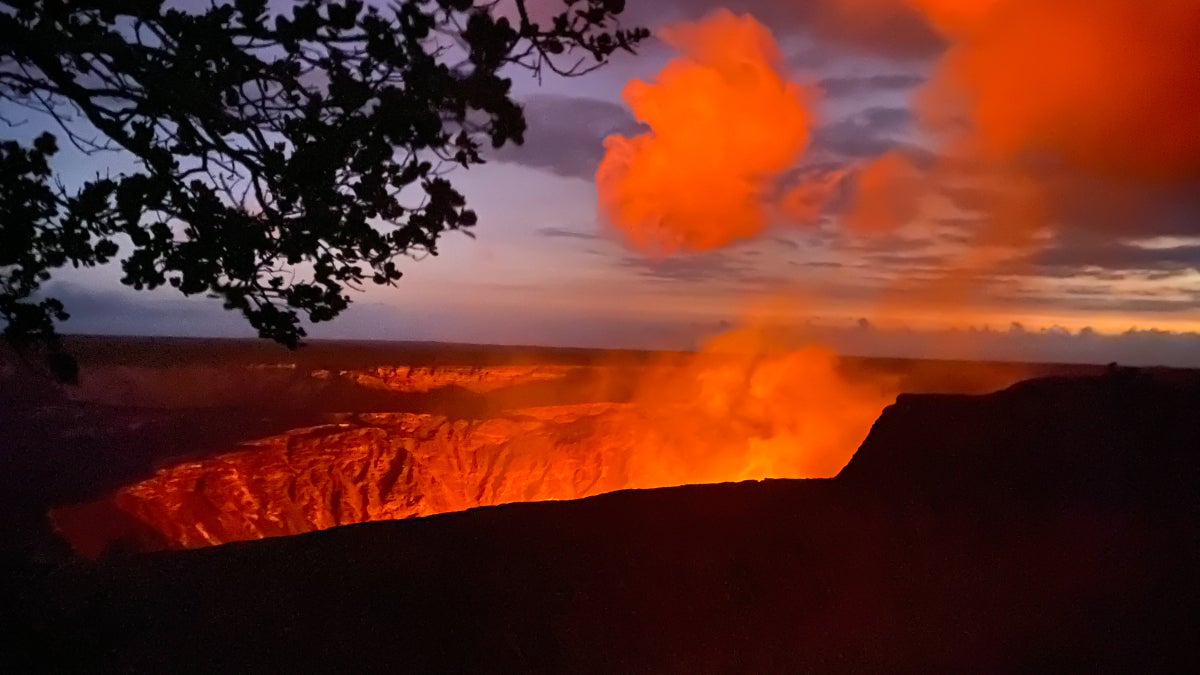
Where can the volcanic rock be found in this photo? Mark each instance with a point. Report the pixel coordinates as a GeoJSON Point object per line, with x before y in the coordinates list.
{"type": "Point", "coordinates": [1048, 527]}
{"type": "Point", "coordinates": [376, 466]}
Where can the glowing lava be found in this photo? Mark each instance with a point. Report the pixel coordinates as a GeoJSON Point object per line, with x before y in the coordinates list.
{"type": "Point", "coordinates": [741, 410]}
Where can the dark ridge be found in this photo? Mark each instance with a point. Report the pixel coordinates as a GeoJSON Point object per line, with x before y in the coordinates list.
{"type": "Point", "coordinates": [1121, 437]}
{"type": "Point", "coordinates": [1048, 527]}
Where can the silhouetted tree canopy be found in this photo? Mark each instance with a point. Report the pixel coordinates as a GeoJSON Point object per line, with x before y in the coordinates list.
{"type": "Point", "coordinates": [281, 160]}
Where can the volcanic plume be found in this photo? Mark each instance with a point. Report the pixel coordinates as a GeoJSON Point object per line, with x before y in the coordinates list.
{"type": "Point", "coordinates": [1065, 114]}
{"type": "Point", "coordinates": [1106, 85]}
{"type": "Point", "coordinates": [725, 122]}
{"type": "Point", "coordinates": [1041, 116]}
{"type": "Point", "coordinates": [755, 406]}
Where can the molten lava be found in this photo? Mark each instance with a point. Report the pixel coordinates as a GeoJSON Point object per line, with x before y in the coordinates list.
{"type": "Point", "coordinates": [423, 380]}
{"type": "Point", "coordinates": [365, 467]}
{"type": "Point", "coordinates": [741, 410]}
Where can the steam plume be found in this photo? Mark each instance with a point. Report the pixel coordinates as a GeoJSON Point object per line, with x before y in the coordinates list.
{"type": "Point", "coordinates": [1033, 103]}
{"type": "Point", "coordinates": [1105, 85]}
{"type": "Point", "coordinates": [1065, 107]}
{"type": "Point", "coordinates": [724, 122]}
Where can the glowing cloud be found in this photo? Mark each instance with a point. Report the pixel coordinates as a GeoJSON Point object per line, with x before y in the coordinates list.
{"type": "Point", "coordinates": [751, 406]}
{"type": "Point", "coordinates": [724, 122]}
{"type": "Point", "coordinates": [1110, 86]}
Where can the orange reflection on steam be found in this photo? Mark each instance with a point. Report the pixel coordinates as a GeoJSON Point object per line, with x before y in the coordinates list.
{"type": "Point", "coordinates": [953, 17]}
{"type": "Point", "coordinates": [751, 406]}
{"type": "Point", "coordinates": [1106, 85]}
{"type": "Point", "coordinates": [724, 123]}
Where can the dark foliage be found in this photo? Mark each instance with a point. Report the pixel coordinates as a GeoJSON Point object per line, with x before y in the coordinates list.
{"type": "Point", "coordinates": [282, 161]}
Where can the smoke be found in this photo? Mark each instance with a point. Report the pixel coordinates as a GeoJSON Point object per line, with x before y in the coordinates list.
{"type": "Point", "coordinates": [725, 123]}
{"type": "Point", "coordinates": [1072, 114]}
{"type": "Point", "coordinates": [1035, 108]}
{"type": "Point", "coordinates": [755, 403]}
{"type": "Point", "coordinates": [806, 200]}
{"type": "Point", "coordinates": [1109, 86]}
{"type": "Point", "coordinates": [727, 128]}
{"type": "Point", "coordinates": [1050, 110]}
{"type": "Point", "coordinates": [886, 195]}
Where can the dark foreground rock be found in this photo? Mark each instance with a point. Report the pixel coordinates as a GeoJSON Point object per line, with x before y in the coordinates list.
{"type": "Point", "coordinates": [1050, 526]}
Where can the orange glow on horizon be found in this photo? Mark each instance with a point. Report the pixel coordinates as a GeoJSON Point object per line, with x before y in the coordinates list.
{"type": "Point", "coordinates": [742, 409]}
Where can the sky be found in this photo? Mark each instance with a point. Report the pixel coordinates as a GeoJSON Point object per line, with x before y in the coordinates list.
{"type": "Point", "coordinates": [546, 267]}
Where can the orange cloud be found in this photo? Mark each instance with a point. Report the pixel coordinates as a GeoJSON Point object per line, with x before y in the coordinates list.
{"type": "Point", "coordinates": [724, 122]}
{"type": "Point", "coordinates": [887, 194]}
{"type": "Point", "coordinates": [1063, 113]}
{"type": "Point", "coordinates": [751, 405]}
{"type": "Point", "coordinates": [1110, 86]}
{"type": "Point", "coordinates": [804, 202]}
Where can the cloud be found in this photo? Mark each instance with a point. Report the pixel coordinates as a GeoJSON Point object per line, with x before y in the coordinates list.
{"type": "Point", "coordinates": [867, 134]}
{"type": "Point", "coordinates": [725, 122]}
{"type": "Point", "coordinates": [1115, 209]}
{"type": "Point", "coordinates": [1078, 115]}
{"type": "Point", "coordinates": [875, 26]}
{"type": "Point", "coordinates": [129, 312]}
{"type": "Point", "coordinates": [1018, 343]}
{"type": "Point", "coordinates": [714, 268]}
{"type": "Point", "coordinates": [899, 263]}
{"type": "Point", "coordinates": [1142, 305]}
{"type": "Point", "coordinates": [1118, 256]}
{"type": "Point", "coordinates": [563, 233]}
{"type": "Point", "coordinates": [566, 135]}
{"type": "Point", "coordinates": [838, 87]}
{"type": "Point", "coordinates": [1104, 86]}
{"type": "Point", "coordinates": [1077, 204]}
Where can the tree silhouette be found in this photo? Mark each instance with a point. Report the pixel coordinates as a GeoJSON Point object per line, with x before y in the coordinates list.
{"type": "Point", "coordinates": [281, 159]}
